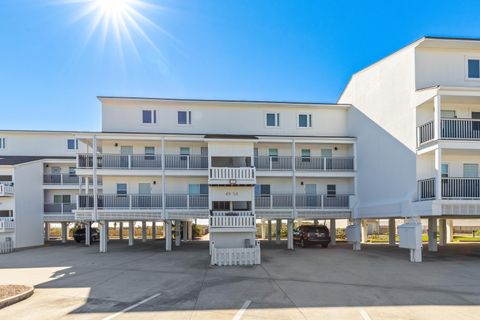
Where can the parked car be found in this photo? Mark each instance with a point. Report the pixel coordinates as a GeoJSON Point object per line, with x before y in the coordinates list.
{"type": "Point", "coordinates": [79, 235]}
{"type": "Point", "coordinates": [312, 234]}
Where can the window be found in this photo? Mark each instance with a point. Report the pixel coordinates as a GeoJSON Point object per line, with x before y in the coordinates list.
{"type": "Point", "coordinates": [121, 189]}
{"type": "Point", "coordinates": [470, 170]}
{"type": "Point", "coordinates": [149, 153]}
{"type": "Point", "coordinates": [72, 144]}
{"type": "Point", "coordinates": [331, 190]}
{"type": "Point", "coordinates": [149, 116]}
{"type": "Point", "coordinates": [71, 171]}
{"type": "Point", "coordinates": [61, 198]}
{"type": "Point", "coordinates": [184, 152]}
{"type": "Point", "coordinates": [2, 143]}
{"type": "Point", "coordinates": [273, 154]}
{"type": "Point", "coordinates": [305, 155]}
{"type": "Point", "coordinates": [262, 190]}
{"type": "Point", "coordinates": [444, 170]}
{"type": "Point", "coordinates": [304, 120]}
{"type": "Point", "coordinates": [473, 66]}
{"type": "Point", "coordinates": [184, 117]}
{"type": "Point", "coordinates": [451, 114]}
{"type": "Point", "coordinates": [272, 119]}
{"type": "Point", "coordinates": [198, 189]}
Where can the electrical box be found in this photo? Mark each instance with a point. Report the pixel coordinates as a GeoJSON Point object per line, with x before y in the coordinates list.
{"type": "Point", "coordinates": [410, 235]}
{"type": "Point", "coordinates": [353, 233]}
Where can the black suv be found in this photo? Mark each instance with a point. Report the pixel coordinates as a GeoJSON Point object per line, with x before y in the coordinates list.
{"type": "Point", "coordinates": [311, 234]}
{"type": "Point", "coordinates": [79, 235]}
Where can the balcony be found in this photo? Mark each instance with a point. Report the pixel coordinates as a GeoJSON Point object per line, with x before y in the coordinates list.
{"type": "Point", "coordinates": [7, 224]}
{"type": "Point", "coordinates": [6, 189]}
{"type": "Point", "coordinates": [451, 129]}
{"type": "Point", "coordinates": [231, 176]}
{"type": "Point", "coordinates": [61, 179]}
{"type": "Point", "coordinates": [284, 163]}
{"type": "Point", "coordinates": [194, 161]}
{"type": "Point", "coordinates": [59, 208]}
{"type": "Point", "coordinates": [232, 220]}
{"type": "Point", "coordinates": [135, 202]}
{"type": "Point", "coordinates": [303, 201]}
{"type": "Point", "coordinates": [452, 189]}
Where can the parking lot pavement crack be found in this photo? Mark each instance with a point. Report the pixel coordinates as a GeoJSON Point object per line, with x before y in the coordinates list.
{"type": "Point", "coordinates": [202, 285]}
{"type": "Point", "coordinates": [283, 291]}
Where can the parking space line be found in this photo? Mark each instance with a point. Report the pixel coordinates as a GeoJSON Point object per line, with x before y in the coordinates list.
{"type": "Point", "coordinates": [364, 315]}
{"type": "Point", "coordinates": [242, 310]}
{"type": "Point", "coordinates": [133, 306]}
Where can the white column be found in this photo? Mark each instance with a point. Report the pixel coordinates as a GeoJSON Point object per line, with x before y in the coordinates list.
{"type": "Point", "coordinates": [438, 173]}
{"type": "Point", "coordinates": [120, 231]}
{"type": "Point", "coordinates": [290, 234]}
{"type": "Point", "coordinates": [168, 234]}
{"type": "Point", "coordinates": [107, 235]}
{"type": "Point", "coordinates": [364, 231]}
{"type": "Point", "coordinates": [264, 236]}
{"type": "Point", "coordinates": [144, 231]}
{"type": "Point", "coordinates": [437, 107]}
{"type": "Point", "coordinates": [130, 233]}
{"type": "Point", "coordinates": [442, 229]}
{"type": "Point", "coordinates": [432, 234]}
{"type": "Point", "coordinates": [269, 230]}
{"type": "Point", "coordinates": [95, 179]}
{"type": "Point", "coordinates": [103, 236]}
{"type": "Point", "coordinates": [333, 232]}
{"type": "Point", "coordinates": [64, 232]}
{"type": "Point", "coordinates": [294, 181]}
{"type": "Point", "coordinates": [357, 244]}
{"type": "Point", "coordinates": [190, 230]}
{"type": "Point", "coordinates": [449, 231]}
{"type": "Point", "coordinates": [46, 232]}
{"type": "Point", "coordinates": [391, 231]}
{"type": "Point", "coordinates": [87, 233]}
{"type": "Point", "coordinates": [185, 231]}
{"type": "Point", "coordinates": [278, 231]}
{"type": "Point", "coordinates": [177, 233]}
{"type": "Point", "coordinates": [154, 230]}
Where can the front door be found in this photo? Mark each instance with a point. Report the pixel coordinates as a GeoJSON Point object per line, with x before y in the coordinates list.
{"type": "Point", "coordinates": [204, 157]}
{"type": "Point", "coordinates": [125, 151]}
{"type": "Point", "coordinates": [144, 195]}
{"type": "Point", "coordinates": [311, 195]}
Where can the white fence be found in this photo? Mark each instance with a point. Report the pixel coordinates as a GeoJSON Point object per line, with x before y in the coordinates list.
{"type": "Point", "coordinates": [235, 256]}
{"type": "Point", "coordinates": [6, 190]}
{"type": "Point", "coordinates": [244, 219]}
{"type": "Point", "coordinates": [227, 173]}
{"type": "Point", "coordinates": [7, 223]}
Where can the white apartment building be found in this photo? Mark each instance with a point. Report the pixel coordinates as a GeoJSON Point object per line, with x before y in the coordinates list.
{"type": "Point", "coordinates": [401, 143]}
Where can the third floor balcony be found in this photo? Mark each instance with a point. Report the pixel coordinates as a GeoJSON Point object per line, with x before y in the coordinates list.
{"type": "Point", "coordinates": [451, 189]}
{"type": "Point", "coordinates": [451, 129]}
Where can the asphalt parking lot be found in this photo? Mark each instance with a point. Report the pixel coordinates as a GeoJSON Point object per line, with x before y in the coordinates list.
{"type": "Point", "coordinates": [145, 282]}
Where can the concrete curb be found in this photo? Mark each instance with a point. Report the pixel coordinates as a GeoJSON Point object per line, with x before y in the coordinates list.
{"type": "Point", "coordinates": [17, 298]}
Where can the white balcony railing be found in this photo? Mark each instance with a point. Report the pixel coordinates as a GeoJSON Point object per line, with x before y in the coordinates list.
{"type": "Point", "coordinates": [451, 129]}
{"type": "Point", "coordinates": [59, 208]}
{"type": "Point", "coordinates": [144, 201]}
{"type": "Point", "coordinates": [303, 201]}
{"type": "Point", "coordinates": [452, 188]}
{"type": "Point", "coordinates": [6, 189]}
{"type": "Point", "coordinates": [228, 175]}
{"type": "Point", "coordinates": [235, 256]}
{"type": "Point", "coordinates": [233, 219]}
{"type": "Point", "coordinates": [279, 163]}
{"type": "Point", "coordinates": [7, 223]}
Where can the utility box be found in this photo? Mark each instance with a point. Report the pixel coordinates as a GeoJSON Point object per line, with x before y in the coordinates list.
{"type": "Point", "coordinates": [353, 233]}
{"type": "Point", "coordinates": [410, 235]}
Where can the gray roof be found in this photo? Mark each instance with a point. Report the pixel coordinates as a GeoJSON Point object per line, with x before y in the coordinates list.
{"type": "Point", "coordinates": [13, 160]}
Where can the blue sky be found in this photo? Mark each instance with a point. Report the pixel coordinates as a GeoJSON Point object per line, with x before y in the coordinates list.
{"type": "Point", "coordinates": [51, 71]}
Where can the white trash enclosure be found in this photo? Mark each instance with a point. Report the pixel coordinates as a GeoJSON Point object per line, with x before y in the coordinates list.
{"type": "Point", "coordinates": [235, 256]}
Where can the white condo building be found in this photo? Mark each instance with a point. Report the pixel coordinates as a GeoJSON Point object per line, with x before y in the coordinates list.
{"type": "Point", "coordinates": [401, 143]}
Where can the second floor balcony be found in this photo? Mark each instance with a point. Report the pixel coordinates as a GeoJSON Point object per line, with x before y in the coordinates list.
{"type": "Point", "coordinates": [239, 220]}
{"type": "Point", "coordinates": [7, 224]}
{"type": "Point", "coordinates": [302, 201]}
{"type": "Point", "coordinates": [275, 163]}
{"type": "Point", "coordinates": [451, 189]}
{"type": "Point", "coordinates": [59, 208]}
{"type": "Point", "coordinates": [451, 129]}
{"type": "Point", "coordinates": [232, 176]}
{"type": "Point", "coordinates": [143, 201]}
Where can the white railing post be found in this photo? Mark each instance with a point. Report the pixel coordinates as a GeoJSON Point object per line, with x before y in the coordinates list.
{"type": "Point", "coordinates": [188, 201]}
{"type": "Point", "coordinates": [188, 162]}
{"type": "Point", "coordinates": [324, 163]}
{"type": "Point", "coordinates": [271, 201]}
{"type": "Point", "coordinates": [129, 161]}
{"type": "Point", "coordinates": [61, 208]}
{"type": "Point", "coordinates": [270, 162]}
{"type": "Point", "coordinates": [321, 201]}
{"type": "Point", "coordinates": [130, 201]}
